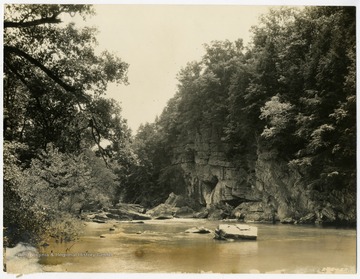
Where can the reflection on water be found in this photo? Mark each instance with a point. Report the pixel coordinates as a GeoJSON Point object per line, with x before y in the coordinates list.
{"type": "Point", "coordinates": [163, 246]}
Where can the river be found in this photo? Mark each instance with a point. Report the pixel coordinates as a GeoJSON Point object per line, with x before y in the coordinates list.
{"type": "Point", "coordinates": [163, 246]}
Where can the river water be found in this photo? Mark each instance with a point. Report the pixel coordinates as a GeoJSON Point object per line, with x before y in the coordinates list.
{"type": "Point", "coordinates": [163, 246]}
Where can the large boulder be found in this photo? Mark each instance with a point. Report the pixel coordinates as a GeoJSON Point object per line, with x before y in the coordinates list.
{"type": "Point", "coordinates": [176, 206]}
{"type": "Point", "coordinates": [202, 214]}
{"type": "Point", "coordinates": [176, 200]}
{"type": "Point", "coordinates": [184, 212]}
{"type": "Point", "coordinates": [226, 232]}
{"type": "Point", "coordinates": [162, 210]}
{"type": "Point", "coordinates": [254, 212]}
{"type": "Point", "coordinates": [219, 211]}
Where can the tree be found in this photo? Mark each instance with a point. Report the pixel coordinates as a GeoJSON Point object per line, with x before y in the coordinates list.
{"type": "Point", "coordinates": [54, 112]}
{"type": "Point", "coordinates": [52, 75]}
{"type": "Point", "coordinates": [277, 114]}
{"type": "Point", "coordinates": [20, 222]}
{"type": "Point", "coordinates": [326, 121]}
{"type": "Point", "coordinates": [143, 183]}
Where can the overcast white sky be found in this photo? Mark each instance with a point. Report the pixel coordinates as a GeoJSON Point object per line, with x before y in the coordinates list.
{"type": "Point", "coordinates": [157, 41]}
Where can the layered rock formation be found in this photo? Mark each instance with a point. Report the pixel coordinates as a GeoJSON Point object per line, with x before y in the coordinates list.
{"type": "Point", "coordinates": [268, 190]}
{"type": "Point", "coordinates": [210, 176]}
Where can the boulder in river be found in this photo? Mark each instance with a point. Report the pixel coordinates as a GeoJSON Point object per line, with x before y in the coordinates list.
{"type": "Point", "coordinates": [202, 214]}
{"type": "Point", "coordinates": [175, 205]}
{"type": "Point", "coordinates": [227, 232]}
{"type": "Point", "coordinates": [163, 210]}
{"type": "Point", "coordinates": [184, 212]}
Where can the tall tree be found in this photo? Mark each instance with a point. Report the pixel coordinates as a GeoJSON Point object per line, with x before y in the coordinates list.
{"type": "Point", "coordinates": [52, 75]}
{"type": "Point", "coordinates": [54, 112]}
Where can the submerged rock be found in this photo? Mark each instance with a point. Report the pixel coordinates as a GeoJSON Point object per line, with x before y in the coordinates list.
{"type": "Point", "coordinates": [235, 232]}
{"type": "Point", "coordinates": [134, 222]}
{"type": "Point", "coordinates": [98, 221]}
{"type": "Point", "coordinates": [200, 230]}
{"type": "Point", "coordinates": [162, 217]}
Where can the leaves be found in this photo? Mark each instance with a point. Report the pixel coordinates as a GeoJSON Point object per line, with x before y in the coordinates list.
{"type": "Point", "coordinates": [54, 113]}
{"type": "Point", "coordinates": [53, 74]}
{"type": "Point", "coordinates": [277, 114]}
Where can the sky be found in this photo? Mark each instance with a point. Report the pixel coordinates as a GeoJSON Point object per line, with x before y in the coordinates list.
{"type": "Point", "coordinates": [157, 41]}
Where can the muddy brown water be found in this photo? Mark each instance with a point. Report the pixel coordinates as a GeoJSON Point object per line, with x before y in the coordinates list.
{"type": "Point", "coordinates": [164, 247]}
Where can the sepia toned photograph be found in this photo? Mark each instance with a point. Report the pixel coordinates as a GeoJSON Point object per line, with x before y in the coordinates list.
{"type": "Point", "coordinates": [167, 138]}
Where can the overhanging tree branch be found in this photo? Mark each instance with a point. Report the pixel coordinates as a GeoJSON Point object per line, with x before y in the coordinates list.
{"type": "Point", "coordinates": [48, 72]}
{"type": "Point", "coordinates": [12, 24]}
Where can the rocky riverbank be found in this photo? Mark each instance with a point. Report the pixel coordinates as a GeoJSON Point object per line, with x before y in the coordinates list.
{"type": "Point", "coordinates": [179, 206]}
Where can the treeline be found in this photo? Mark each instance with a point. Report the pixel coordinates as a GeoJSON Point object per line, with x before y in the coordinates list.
{"type": "Point", "coordinates": [291, 91]}
{"type": "Point", "coordinates": [67, 148]}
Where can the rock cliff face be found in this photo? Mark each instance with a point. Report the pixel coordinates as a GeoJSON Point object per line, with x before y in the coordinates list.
{"type": "Point", "coordinates": [210, 177]}
{"type": "Point", "coordinates": [267, 191]}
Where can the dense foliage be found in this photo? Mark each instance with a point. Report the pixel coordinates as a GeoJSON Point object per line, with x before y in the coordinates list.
{"type": "Point", "coordinates": [291, 91]}
{"type": "Point", "coordinates": [57, 124]}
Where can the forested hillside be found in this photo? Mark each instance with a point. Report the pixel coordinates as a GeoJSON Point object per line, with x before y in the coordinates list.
{"type": "Point", "coordinates": [268, 129]}
{"type": "Point", "coordinates": [261, 132]}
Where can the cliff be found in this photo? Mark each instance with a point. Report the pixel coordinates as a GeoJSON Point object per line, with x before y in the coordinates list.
{"type": "Point", "coordinates": [266, 190]}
